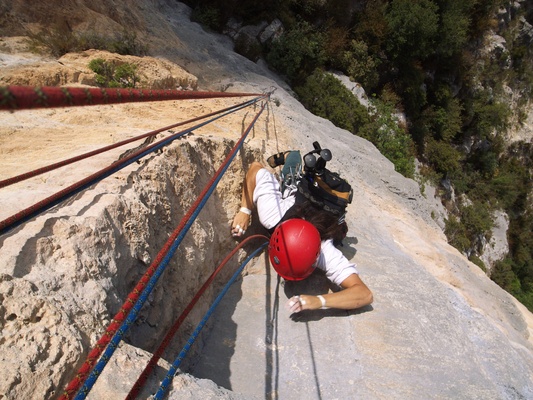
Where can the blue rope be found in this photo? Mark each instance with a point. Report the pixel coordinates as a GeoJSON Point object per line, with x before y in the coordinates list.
{"type": "Point", "coordinates": [132, 316]}
{"type": "Point", "coordinates": [118, 166]}
{"type": "Point", "coordinates": [177, 362]}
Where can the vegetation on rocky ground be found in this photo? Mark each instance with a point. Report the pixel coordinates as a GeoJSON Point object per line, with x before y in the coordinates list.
{"type": "Point", "coordinates": [59, 39]}
{"type": "Point", "coordinates": [108, 74]}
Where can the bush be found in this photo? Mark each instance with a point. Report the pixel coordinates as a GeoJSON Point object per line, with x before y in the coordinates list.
{"type": "Point", "coordinates": [325, 96]}
{"type": "Point", "coordinates": [456, 234]}
{"type": "Point", "coordinates": [59, 40]}
{"type": "Point", "coordinates": [111, 75]}
{"type": "Point", "coordinates": [359, 65]}
{"type": "Point", "coordinates": [488, 116]}
{"type": "Point", "coordinates": [413, 26]}
{"type": "Point", "coordinates": [477, 221]}
{"type": "Point", "coordinates": [503, 275]}
{"type": "Point", "coordinates": [443, 157]}
{"type": "Point", "coordinates": [479, 262]}
{"type": "Point", "coordinates": [298, 52]}
{"type": "Point", "coordinates": [336, 41]}
{"type": "Point", "coordinates": [393, 141]}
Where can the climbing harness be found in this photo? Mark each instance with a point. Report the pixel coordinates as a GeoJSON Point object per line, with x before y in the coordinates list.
{"type": "Point", "coordinates": [136, 299]}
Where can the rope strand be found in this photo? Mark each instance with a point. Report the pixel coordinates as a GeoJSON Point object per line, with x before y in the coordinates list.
{"type": "Point", "coordinates": [31, 174]}
{"type": "Point", "coordinates": [39, 207]}
{"type": "Point", "coordinates": [135, 390]}
{"type": "Point", "coordinates": [27, 97]}
{"type": "Point", "coordinates": [149, 279]}
{"type": "Point", "coordinates": [177, 362]}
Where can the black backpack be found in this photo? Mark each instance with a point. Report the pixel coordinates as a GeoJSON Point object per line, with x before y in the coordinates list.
{"type": "Point", "coordinates": [322, 187]}
{"type": "Point", "coordinates": [326, 190]}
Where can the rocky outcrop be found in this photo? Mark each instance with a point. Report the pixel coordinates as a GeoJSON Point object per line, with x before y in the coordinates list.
{"type": "Point", "coordinates": [65, 275]}
{"type": "Point", "coordinates": [73, 69]}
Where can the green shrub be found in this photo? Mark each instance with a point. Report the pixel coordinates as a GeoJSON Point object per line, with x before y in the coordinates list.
{"type": "Point", "coordinates": [392, 140]}
{"type": "Point", "coordinates": [456, 234]}
{"type": "Point", "coordinates": [59, 39]}
{"type": "Point", "coordinates": [474, 221]}
{"type": "Point", "coordinates": [443, 157]}
{"type": "Point", "coordinates": [413, 27]}
{"type": "Point", "coordinates": [298, 52]}
{"type": "Point", "coordinates": [111, 75]}
{"type": "Point", "coordinates": [479, 262]}
{"type": "Point", "coordinates": [477, 220]}
{"type": "Point", "coordinates": [488, 116]}
{"type": "Point", "coordinates": [325, 96]}
{"type": "Point", "coordinates": [502, 273]}
{"type": "Point", "coordinates": [126, 75]}
{"type": "Point", "coordinates": [359, 65]}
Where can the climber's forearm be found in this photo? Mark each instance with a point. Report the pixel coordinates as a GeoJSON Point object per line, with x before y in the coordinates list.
{"type": "Point", "coordinates": [355, 295]}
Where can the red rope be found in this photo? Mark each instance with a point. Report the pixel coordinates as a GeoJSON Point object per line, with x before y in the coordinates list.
{"type": "Point", "coordinates": [51, 167]}
{"type": "Point", "coordinates": [134, 392]}
{"type": "Point", "coordinates": [28, 213]}
{"type": "Point", "coordinates": [27, 97]}
{"type": "Point", "coordinates": [115, 324]}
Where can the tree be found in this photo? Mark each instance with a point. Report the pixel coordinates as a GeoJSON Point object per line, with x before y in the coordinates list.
{"type": "Point", "coordinates": [325, 96]}
{"type": "Point", "coordinates": [298, 52]}
{"type": "Point", "coordinates": [455, 23]}
{"type": "Point", "coordinates": [412, 29]}
{"type": "Point", "coordinates": [359, 65]}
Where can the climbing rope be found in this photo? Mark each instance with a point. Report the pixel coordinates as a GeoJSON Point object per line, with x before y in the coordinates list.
{"type": "Point", "coordinates": [135, 390]}
{"type": "Point", "coordinates": [27, 97]}
{"type": "Point", "coordinates": [177, 362]}
{"type": "Point", "coordinates": [51, 167]}
{"type": "Point", "coordinates": [140, 293]}
{"type": "Point", "coordinates": [43, 205]}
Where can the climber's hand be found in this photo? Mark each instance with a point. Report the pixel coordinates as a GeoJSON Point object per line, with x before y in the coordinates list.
{"type": "Point", "coordinates": [240, 224]}
{"type": "Point", "coordinates": [296, 304]}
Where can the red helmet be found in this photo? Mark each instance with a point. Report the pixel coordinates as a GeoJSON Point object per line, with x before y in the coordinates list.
{"type": "Point", "coordinates": [293, 249]}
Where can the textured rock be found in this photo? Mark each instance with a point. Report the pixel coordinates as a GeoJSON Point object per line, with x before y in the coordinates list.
{"type": "Point", "coordinates": [73, 69]}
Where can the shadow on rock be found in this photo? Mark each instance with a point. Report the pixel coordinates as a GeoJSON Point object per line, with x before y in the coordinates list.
{"type": "Point", "coordinates": [317, 284]}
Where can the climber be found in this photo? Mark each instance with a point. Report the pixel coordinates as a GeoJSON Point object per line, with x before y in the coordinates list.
{"type": "Point", "coordinates": [303, 233]}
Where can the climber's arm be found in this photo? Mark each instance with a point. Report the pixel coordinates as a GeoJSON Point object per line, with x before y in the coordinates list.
{"type": "Point", "coordinates": [355, 294]}
{"type": "Point", "coordinates": [242, 220]}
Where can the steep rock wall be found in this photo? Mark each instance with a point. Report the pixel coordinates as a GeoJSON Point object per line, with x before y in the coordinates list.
{"type": "Point", "coordinates": [77, 264]}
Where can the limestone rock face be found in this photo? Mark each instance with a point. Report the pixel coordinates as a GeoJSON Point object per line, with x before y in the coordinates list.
{"type": "Point", "coordinates": [62, 284]}
{"type": "Point", "coordinates": [438, 326]}
{"type": "Point", "coordinates": [73, 69]}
